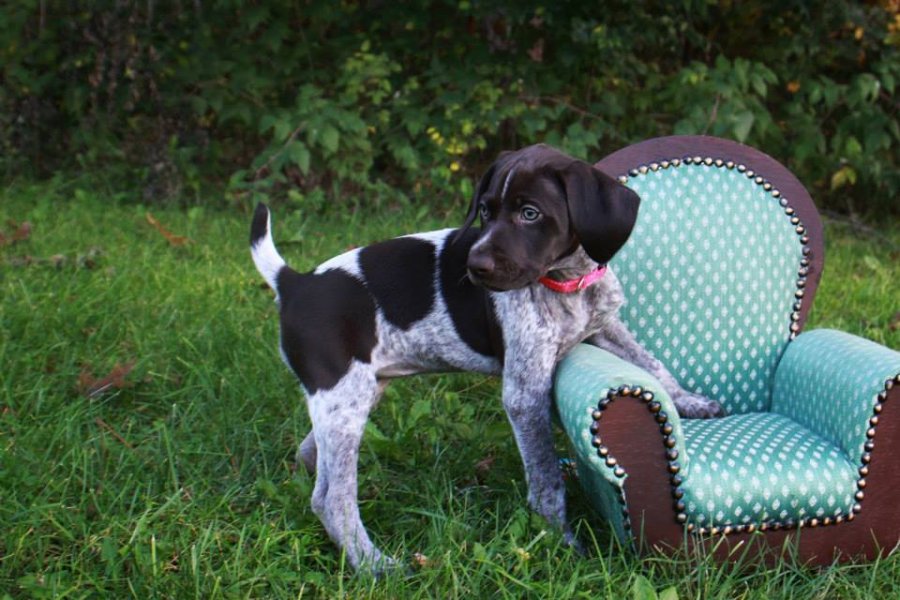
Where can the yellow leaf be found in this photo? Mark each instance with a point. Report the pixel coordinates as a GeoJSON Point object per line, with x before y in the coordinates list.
{"type": "Point", "coordinates": [843, 176]}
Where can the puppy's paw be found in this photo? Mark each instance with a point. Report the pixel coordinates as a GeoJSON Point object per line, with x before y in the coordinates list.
{"type": "Point", "coordinates": [694, 406]}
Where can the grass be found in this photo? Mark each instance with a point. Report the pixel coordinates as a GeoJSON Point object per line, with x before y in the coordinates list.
{"type": "Point", "coordinates": [178, 480]}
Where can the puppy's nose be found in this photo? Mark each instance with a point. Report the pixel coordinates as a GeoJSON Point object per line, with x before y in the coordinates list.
{"type": "Point", "coordinates": [480, 265]}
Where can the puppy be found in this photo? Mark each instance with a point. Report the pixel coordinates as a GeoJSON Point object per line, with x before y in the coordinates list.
{"type": "Point", "coordinates": [509, 298]}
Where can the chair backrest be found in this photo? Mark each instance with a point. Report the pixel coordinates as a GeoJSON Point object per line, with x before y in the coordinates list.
{"type": "Point", "coordinates": [722, 265]}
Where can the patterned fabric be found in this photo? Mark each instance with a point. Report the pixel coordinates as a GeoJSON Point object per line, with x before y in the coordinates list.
{"type": "Point", "coordinates": [763, 467]}
{"type": "Point", "coordinates": [710, 273]}
{"type": "Point", "coordinates": [828, 381]}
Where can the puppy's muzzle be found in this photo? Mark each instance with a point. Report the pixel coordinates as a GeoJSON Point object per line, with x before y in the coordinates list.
{"type": "Point", "coordinates": [481, 267]}
{"type": "Point", "coordinates": [494, 271]}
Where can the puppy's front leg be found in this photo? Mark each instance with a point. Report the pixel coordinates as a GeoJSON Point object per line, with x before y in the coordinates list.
{"type": "Point", "coordinates": [619, 340]}
{"type": "Point", "coordinates": [527, 400]}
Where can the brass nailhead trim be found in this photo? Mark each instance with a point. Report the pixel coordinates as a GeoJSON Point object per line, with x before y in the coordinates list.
{"type": "Point", "coordinates": [669, 443]}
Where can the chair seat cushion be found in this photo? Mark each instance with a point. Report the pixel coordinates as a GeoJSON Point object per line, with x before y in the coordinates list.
{"type": "Point", "coordinates": [763, 468]}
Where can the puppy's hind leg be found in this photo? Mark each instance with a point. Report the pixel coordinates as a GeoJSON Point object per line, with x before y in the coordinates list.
{"type": "Point", "coordinates": [339, 417]}
{"type": "Point", "coordinates": [307, 452]}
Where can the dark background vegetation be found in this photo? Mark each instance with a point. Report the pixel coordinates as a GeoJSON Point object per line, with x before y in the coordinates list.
{"type": "Point", "coordinates": [319, 102]}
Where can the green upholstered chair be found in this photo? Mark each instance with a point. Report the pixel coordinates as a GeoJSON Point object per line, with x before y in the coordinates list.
{"type": "Point", "coordinates": [719, 275]}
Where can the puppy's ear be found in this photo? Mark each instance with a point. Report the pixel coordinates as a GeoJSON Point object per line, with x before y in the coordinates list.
{"type": "Point", "coordinates": [602, 210]}
{"type": "Point", "coordinates": [483, 185]}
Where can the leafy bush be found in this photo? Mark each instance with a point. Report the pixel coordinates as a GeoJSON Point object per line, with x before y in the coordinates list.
{"type": "Point", "coordinates": [321, 101]}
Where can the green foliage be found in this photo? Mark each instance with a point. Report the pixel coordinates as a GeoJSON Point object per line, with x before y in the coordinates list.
{"type": "Point", "coordinates": [642, 589]}
{"type": "Point", "coordinates": [318, 101]}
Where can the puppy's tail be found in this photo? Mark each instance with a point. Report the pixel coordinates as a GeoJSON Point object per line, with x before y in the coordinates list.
{"type": "Point", "coordinates": [266, 258]}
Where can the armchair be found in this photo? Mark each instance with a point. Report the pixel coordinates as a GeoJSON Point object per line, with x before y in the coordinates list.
{"type": "Point", "coordinates": [719, 275]}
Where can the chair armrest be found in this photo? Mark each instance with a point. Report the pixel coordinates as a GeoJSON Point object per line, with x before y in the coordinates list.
{"type": "Point", "coordinates": [583, 379]}
{"type": "Point", "coordinates": [833, 383]}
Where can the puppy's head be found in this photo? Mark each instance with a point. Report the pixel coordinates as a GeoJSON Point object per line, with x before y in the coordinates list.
{"type": "Point", "coordinates": [537, 206]}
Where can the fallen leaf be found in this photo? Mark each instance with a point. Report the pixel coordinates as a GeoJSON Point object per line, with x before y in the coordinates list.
{"type": "Point", "coordinates": [92, 387]}
{"type": "Point", "coordinates": [172, 565]}
{"type": "Point", "coordinates": [57, 260]}
{"type": "Point", "coordinates": [88, 260]}
{"type": "Point", "coordinates": [20, 232]}
{"type": "Point", "coordinates": [174, 240]}
{"type": "Point", "coordinates": [895, 322]}
{"type": "Point", "coordinates": [483, 467]}
{"type": "Point", "coordinates": [420, 560]}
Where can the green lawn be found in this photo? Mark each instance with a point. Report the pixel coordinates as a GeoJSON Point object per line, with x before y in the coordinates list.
{"type": "Point", "coordinates": [177, 480]}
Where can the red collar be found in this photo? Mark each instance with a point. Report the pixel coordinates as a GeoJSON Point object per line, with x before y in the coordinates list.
{"type": "Point", "coordinates": [574, 285]}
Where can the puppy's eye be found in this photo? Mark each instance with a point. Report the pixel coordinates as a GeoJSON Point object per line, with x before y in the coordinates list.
{"type": "Point", "coordinates": [484, 211]}
{"type": "Point", "coordinates": [530, 214]}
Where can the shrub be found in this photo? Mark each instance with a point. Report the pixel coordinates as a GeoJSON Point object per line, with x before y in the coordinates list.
{"type": "Point", "coordinates": [319, 101]}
